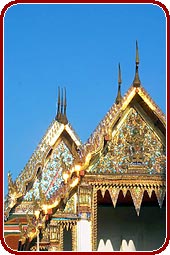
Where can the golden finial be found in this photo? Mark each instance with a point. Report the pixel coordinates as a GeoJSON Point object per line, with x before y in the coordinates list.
{"type": "Point", "coordinates": [58, 108]}
{"type": "Point", "coordinates": [62, 105]}
{"type": "Point", "coordinates": [62, 102]}
{"type": "Point", "coordinates": [136, 82]}
{"type": "Point", "coordinates": [120, 78]}
{"type": "Point", "coordinates": [119, 97]}
{"type": "Point", "coordinates": [137, 54]}
{"type": "Point", "coordinates": [65, 101]}
{"type": "Point", "coordinates": [65, 121]}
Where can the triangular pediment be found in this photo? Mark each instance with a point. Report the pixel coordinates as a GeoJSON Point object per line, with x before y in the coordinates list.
{"type": "Point", "coordinates": [134, 147]}
{"type": "Point", "coordinates": [142, 103]}
{"type": "Point", "coordinates": [42, 175]}
{"type": "Point", "coordinates": [54, 134]}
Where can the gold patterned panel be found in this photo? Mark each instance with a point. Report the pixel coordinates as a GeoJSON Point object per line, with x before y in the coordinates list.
{"type": "Point", "coordinates": [71, 206]}
{"type": "Point", "coordinates": [135, 148]}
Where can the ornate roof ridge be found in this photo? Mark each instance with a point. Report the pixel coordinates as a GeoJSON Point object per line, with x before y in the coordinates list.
{"type": "Point", "coordinates": [78, 140]}
{"type": "Point", "coordinates": [105, 123]}
{"type": "Point", "coordinates": [157, 109]}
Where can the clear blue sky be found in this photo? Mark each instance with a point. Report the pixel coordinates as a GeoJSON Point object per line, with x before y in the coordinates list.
{"type": "Point", "coordinates": [79, 47]}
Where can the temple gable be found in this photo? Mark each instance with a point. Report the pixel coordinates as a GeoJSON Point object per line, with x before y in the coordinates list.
{"type": "Point", "coordinates": [134, 147]}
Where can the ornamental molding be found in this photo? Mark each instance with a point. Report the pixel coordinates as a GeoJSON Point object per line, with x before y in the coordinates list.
{"type": "Point", "coordinates": [136, 191]}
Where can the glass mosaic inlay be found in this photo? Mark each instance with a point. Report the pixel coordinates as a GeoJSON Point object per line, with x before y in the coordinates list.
{"type": "Point", "coordinates": [51, 177]}
{"type": "Point", "coordinates": [135, 143]}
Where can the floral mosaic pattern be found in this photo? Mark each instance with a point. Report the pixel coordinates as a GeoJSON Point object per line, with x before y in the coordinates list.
{"type": "Point", "coordinates": [51, 177]}
{"type": "Point", "coordinates": [135, 143]}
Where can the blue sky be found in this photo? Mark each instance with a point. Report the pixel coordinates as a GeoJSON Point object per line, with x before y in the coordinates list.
{"type": "Point", "coordinates": [77, 47]}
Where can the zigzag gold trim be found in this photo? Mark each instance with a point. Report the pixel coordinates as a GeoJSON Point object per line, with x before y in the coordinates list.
{"type": "Point", "coordinates": [94, 220]}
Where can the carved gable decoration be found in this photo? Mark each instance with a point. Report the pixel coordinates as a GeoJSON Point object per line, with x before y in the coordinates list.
{"type": "Point", "coordinates": [51, 178]}
{"type": "Point", "coordinates": [135, 148]}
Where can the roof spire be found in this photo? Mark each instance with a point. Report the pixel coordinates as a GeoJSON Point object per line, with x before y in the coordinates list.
{"type": "Point", "coordinates": [136, 82]}
{"type": "Point", "coordinates": [137, 54]}
{"type": "Point", "coordinates": [62, 102]}
{"type": "Point", "coordinates": [119, 97]}
{"type": "Point", "coordinates": [65, 121]}
{"type": "Point", "coordinates": [61, 108]}
{"type": "Point", "coordinates": [58, 107]}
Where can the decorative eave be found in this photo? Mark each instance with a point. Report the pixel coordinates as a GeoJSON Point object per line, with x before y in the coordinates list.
{"type": "Point", "coordinates": [136, 190]}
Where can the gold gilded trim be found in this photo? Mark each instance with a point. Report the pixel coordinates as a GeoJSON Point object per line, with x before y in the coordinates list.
{"type": "Point", "coordinates": [94, 220]}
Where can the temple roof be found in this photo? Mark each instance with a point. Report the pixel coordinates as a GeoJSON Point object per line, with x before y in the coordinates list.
{"type": "Point", "coordinates": [77, 157]}
{"type": "Point", "coordinates": [136, 96]}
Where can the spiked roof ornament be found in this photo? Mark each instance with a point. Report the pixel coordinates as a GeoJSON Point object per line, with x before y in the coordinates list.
{"type": "Point", "coordinates": [62, 105]}
{"type": "Point", "coordinates": [65, 121]}
{"type": "Point", "coordinates": [61, 109]}
{"type": "Point", "coordinates": [58, 107]}
{"type": "Point", "coordinates": [136, 82]}
{"type": "Point", "coordinates": [119, 97]}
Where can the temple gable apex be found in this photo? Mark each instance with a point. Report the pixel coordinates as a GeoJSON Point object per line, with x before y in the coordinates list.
{"type": "Point", "coordinates": [139, 99]}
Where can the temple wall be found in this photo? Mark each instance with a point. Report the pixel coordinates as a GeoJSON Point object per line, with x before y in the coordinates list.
{"type": "Point", "coordinates": [147, 231]}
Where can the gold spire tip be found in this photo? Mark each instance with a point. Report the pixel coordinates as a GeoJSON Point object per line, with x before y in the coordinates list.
{"type": "Point", "coordinates": [137, 53]}
{"type": "Point", "coordinates": [136, 82]}
{"type": "Point", "coordinates": [119, 77]}
{"type": "Point", "coordinates": [119, 97]}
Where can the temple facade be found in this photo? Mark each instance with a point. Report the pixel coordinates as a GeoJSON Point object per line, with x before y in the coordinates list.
{"type": "Point", "coordinates": [108, 194]}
